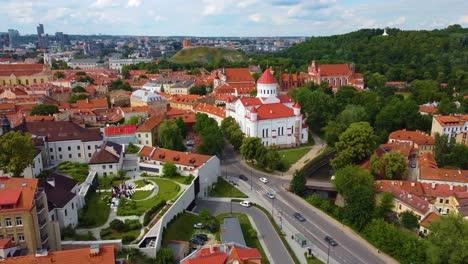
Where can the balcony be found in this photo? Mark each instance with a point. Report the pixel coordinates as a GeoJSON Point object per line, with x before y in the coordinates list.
{"type": "Point", "coordinates": [42, 223]}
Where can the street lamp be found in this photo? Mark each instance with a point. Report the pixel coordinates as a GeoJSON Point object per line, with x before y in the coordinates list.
{"type": "Point", "coordinates": [251, 188]}
{"type": "Point", "coordinates": [272, 206]}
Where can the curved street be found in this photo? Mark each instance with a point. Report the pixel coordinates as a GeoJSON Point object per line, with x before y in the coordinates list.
{"type": "Point", "coordinates": [273, 246]}
{"type": "Point", "coordinates": [351, 249]}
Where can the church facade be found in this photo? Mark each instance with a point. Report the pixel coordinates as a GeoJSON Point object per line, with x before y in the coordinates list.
{"type": "Point", "coordinates": [275, 119]}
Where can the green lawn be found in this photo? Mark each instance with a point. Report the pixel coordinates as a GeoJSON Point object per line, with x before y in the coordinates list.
{"type": "Point", "coordinates": [250, 237]}
{"type": "Point", "coordinates": [313, 260]}
{"type": "Point", "coordinates": [119, 235]}
{"type": "Point", "coordinates": [106, 182]}
{"type": "Point", "coordinates": [224, 189]}
{"type": "Point", "coordinates": [181, 228]}
{"type": "Point", "coordinates": [183, 179]}
{"type": "Point", "coordinates": [140, 195]}
{"type": "Point", "coordinates": [167, 191]}
{"type": "Point", "coordinates": [291, 156]}
{"type": "Point", "coordinates": [139, 183]}
{"type": "Point", "coordinates": [96, 210]}
{"type": "Point", "coordinates": [78, 171]}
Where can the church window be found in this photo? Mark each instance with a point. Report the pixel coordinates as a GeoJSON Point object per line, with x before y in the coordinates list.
{"type": "Point", "coordinates": [27, 82]}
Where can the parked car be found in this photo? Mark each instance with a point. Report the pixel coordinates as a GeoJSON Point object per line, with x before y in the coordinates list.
{"type": "Point", "coordinates": [197, 241]}
{"type": "Point", "coordinates": [413, 165]}
{"type": "Point", "coordinates": [202, 237]}
{"type": "Point", "coordinates": [264, 180]}
{"type": "Point", "coordinates": [243, 177]}
{"type": "Point", "coordinates": [331, 241]}
{"type": "Point", "coordinates": [198, 226]}
{"type": "Point", "coordinates": [189, 143]}
{"type": "Point", "coordinates": [270, 195]}
{"type": "Point", "coordinates": [245, 203]}
{"type": "Point", "coordinates": [299, 217]}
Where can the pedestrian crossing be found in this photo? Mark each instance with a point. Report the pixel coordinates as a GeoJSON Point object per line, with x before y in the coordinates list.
{"type": "Point", "coordinates": [265, 190]}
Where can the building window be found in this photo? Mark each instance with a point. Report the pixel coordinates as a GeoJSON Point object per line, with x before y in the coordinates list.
{"type": "Point", "coordinates": [146, 135]}
{"type": "Point", "coordinates": [60, 157]}
{"type": "Point", "coordinates": [69, 156]}
{"type": "Point", "coordinates": [69, 148]}
{"type": "Point", "coordinates": [53, 217]}
{"type": "Point", "coordinates": [59, 149]}
{"type": "Point", "coordinates": [441, 200]}
{"type": "Point", "coordinates": [139, 135]}
{"type": "Point", "coordinates": [7, 222]}
{"type": "Point", "coordinates": [78, 147]}
{"type": "Point", "coordinates": [73, 206]}
{"type": "Point", "coordinates": [20, 237]}
{"type": "Point", "coordinates": [52, 157]}
{"type": "Point", "coordinates": [447, 201]}
{"type": "Point", "coordinates": [79, 155]}
{"type": "Point", "coordinates": [147, 142]}
{"type": "Point", "coordinates": [89, 147]}
{"type": "Point", "coordinates": [19, 221]}
{"type": "Point", "coordinates": [103, 167]}
{"type": "Point", "coordinates": [110, 166]}
{"type": "Point", "coordinates": [399, 207]}
{"type": "Point", "coordinates": [51, 150]}
{"type": "Point", "coordinates": [11, 236]}
{"type": "Point", "coordinates": [89, 155]}
{"type": "Point", "coordinates": [66, 213]}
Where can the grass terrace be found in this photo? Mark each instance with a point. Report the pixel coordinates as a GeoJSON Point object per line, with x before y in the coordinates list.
{"type": "Point", "coordinates": [291, 156]}
{"type": "Point", "coordinates": [127, 231]}
{"type": "Point", "coordinates": [96, 211]}
{"type": "Point", "coordinates": [224, 189]}
{"type": "Point", "coordinates": [181, 228]}
{"type": "Point", "coordinates": [140, 195]}
{"type": "Point", "coordinates": [76, 170]}
{"type": "Point", "coordinates": [167, 191]}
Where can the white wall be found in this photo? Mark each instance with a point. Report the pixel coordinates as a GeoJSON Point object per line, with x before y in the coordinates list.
{"type": "Point", "coordinates": [71, 150]}
{"type": "Point", "coordinates": [33, 170]}
{"type": "Point", "coordinates": [68, 215]}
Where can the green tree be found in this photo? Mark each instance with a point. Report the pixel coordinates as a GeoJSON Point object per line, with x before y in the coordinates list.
{"type": "Point", "coordinates": [350, 177]}
{"type": "Point", "coordinates": [253, 93]}
{"type": "Point", "coordinates": [169, 170]}
{"type": "Point", "coordinates": [359, 206]}
{"type": "Point", "coordinates": [351, 114]}
{"type": "Point", "coordinates": [44, 109]}
{"type": "Point", "coordinates": [449, 240]}
{"type": "Point", "coordinates": [17, 152]}
{"type": "Point", "coordinates": [442, 148]}
{"type": "Point", "coordinates": [385, 207]}
{"type": "Point", "coordinates": [212, 140]}
{"type": "Point", "coordinates": [59, 75]}
{"type": "Point", "coordinates": [354, 145]}
{"type": "Point", "coordinates": [250, 147]}
{"type": "Point", "coordinates": [133, 120]}
{"type": "Point", "coordinates": [120, 85]}
{"type": "Point", "coordinates": [447, 107]}
{"type": "Point", "coordinates": [273, 157]}
{"type": "Point", "coordinates": [409, 220]}
{"type": "Point", "coordinates": [78, 89]}
{"type": "Point", "coordinates": [237, 136]}
{"type": "Point", "coordinates": [182, 127]}
{"type": "Point", "coordinates": [75, 97]}
{"type": "Point", "coordinates": [298, 183]}
{"type": "Point", "coordinates": [374, 165]}
{"type": "Point", "coordinates": [164, 256]}
{"type": "Point", "coordinates": [227, 123]}
{"type": "Point", "coordinates": [198, 89]}
{"type": "Point", "coordinates": [458, 156]}
{"type": "Point", "coordinates": [394, 165]}
{"type": "Point", "coordinates": [256, 76]}
{"type": "Point", "coordinates": [376, 80]}
{"type": "Point", "coordinates": [169, 136]}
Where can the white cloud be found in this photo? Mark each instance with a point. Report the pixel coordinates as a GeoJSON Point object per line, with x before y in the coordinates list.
{"type": "Point", "coordinates": [255, 17]}
{"type": "Point", "coordinates": [56, 13]}
{"type": "Point", "coordinates": [397, 22]}
{"type": "Point", "coordinates": [463, 20]}
{"type": "Point", "coordinates": [246, 3]}
{"type": "Point", "coordinates": [134, 3]}
{"type": "Point", "coordinates": [21, 12]}
{"type": "Point", "coordinates": [105, 3]}
{"type": "Point", "coordinates": [213, 7]}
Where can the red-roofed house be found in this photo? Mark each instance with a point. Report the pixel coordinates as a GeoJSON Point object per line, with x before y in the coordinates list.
{"type": "Point", "coordinates": [224, 254]}
{"type": "Point", "coordinates": [451, 125]}
{"type": "Point", "coordinates": [420, 141]}
{"type": "Point", "coordinates": [232, 76]}
{"type": "Point", "coordinates": [217, 113]}
{"type": "Point", "coordinates": [275, 119]}
{"type": "Point", "coordinates": [336, 75]}
{"type": "Point", "coordinates": [424, 225]}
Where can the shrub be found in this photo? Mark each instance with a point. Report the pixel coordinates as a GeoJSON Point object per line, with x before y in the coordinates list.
{"type": "Point", "coordinates": [132, 149]}
{"type": "Point", "coordinates": [132, 224]}
{"type": "Point", "coordinates": [105, 232]}
{"type": "Point", "coordinates": [118, 225]}
{"type": "Point", "coordinates": [128, 239]}
{"type": "Point", "coordinates": [153, 210]}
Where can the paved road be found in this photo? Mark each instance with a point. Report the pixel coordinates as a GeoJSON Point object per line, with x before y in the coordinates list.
{"type": "Point", "coordinates": [265, 230]}
{"type": "Point", "coordinates": [350, 248]}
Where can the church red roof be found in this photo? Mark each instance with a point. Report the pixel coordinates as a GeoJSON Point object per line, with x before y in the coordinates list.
{"type": "Point", "coordinates": [297, 105]}
{"type": "Point", "coordinates": [267, 78]}
{"type": "Point", "coordinates": [273, 111]}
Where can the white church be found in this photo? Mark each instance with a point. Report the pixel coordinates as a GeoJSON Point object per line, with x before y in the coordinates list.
{"type": "Point", "coordinates": [274, 118]}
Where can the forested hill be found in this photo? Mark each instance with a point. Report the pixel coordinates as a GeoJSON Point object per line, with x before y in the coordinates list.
{"type": "Point", "coordinates": [440, 55]}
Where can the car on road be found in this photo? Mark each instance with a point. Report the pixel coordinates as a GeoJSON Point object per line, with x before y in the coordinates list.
{"type": "Point", "coordinates": [198, 226]}
{"type": "Point", "coordinates": [413, 165]}
{"type": "Point", "coordinates": [245, 203]}
{"type": "Point", "coordinates": [202, 237]}
{"type": "Point", "coordinates": [299, 217]}
{"type": "Point", "coordinates": [270, 195]}
{"type": "Point", "coordinates": [331, 241]}
{"type": "Point", "coordinates": [264, 180]}
{"type": "Point", "coordinates": [243, 177]}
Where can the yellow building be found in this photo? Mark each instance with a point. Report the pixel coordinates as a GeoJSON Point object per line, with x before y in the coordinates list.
{"type": "Point", "coordinates": [23, 74]}
{"type": "Point", "coordinates": [24, 215]}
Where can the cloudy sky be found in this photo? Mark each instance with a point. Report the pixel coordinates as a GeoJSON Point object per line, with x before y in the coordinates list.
{"type": "Point", "coordinates": [227, 17]}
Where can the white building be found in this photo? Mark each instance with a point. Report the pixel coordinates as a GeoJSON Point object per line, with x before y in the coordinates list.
{"type": "Point", "coordinates": [62, 140]}
{"type": "Point", "coordinates": [85, 64]}
{"type": "Point", "coordinates": [62, 200]}
{"type": "Point", "coordinates": [274, 118]}
{"type": "Point", "coordinates": [117, 64]}
{"type": "Point", "coordinates": [152, 159]}
{"type": "Point", "coordinates": [451, 125]}
{"type": "Point", "coordinates": [107, 159]}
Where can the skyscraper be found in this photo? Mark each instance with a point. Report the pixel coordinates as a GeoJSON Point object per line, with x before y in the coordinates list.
{"type": "Point", "coordinates": [13, 35]}
{"type": "Point", "coordinates": [41, 37]}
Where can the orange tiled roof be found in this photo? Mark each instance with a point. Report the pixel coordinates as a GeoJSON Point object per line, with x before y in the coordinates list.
{"type": "Point", "coordinates": [177, 157]}
{"type": "Point", "coordinates": [428, 109]}
{"type": "Point", "coordinates": [417, 137]}
{"type": "Point", "coordinates": [210, 109]}
{"type": "Point", "coordinates": [73, 256]}
{"type": "Point", "coordinates": [334, 70]}
{"type": "Point", "coordinates": [234, 75]}
{"type": "Point", "coordinates": [5, 243]}
{"type": "Point", "coordinates": [429, 218]}
{"type": "Point", "coordinates": [412, 200]}
{"type": "Point", "coordinates": [135, 109]}
{"type": "Point", "coordinates": [273, 111]}
{"type": "Point", "coordinates": [92, 103]}
{"type": "Point", "coordinates": [403, 147]}
{"type": "Point", "coordinates": [20, 69]}
{"type": "Point", "coordinates": [452, 120]}
{"type": "Point", "coordinates": [25, 188]}
{"type": "Point", "coordinates": [428, 170]}
{"type": "Point", "coordinates": [150, 123]}
{"type": "Point", "coordinates": [266, 78]}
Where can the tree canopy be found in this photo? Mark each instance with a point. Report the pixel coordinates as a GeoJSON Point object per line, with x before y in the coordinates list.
{"type": "Point", "coordinates": [170, 136]}
{"type": "Point", "coordinates": [17, 152]}
{"type": "Point", "coordinates": [44, 109]}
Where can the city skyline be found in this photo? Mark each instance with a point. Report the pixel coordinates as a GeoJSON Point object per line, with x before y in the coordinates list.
{"type": "Point", "coordinates": [242, 18]}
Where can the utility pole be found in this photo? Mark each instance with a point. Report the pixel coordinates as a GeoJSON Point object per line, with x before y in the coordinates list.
{"type": "Point", "coordinates": [251, 188]}
{"type": "Point", "coordinates": [231, 206]}
{"type": "Point", "coordinates": [328, 254]}
{"type": "Point", "coordinates": [272, 206]}
{"type": "Point", "coordinates": [281, 221]}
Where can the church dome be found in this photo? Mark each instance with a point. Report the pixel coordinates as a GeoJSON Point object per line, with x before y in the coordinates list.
{"type": "Point", "coordinates": [267, 78]}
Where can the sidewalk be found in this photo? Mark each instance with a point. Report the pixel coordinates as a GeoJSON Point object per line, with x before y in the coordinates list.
{"type": "Point", "coordinates": [316, 149]}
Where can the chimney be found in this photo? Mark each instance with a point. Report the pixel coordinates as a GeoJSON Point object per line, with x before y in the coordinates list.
{"type": "Point", "coordinates": [51, 181]}
{"type": "Point", "coordinates": [451, 187]}
{"type": "Point", "coordinates": [94, 250]}
{"type": "Point", "coordinates": [409, 195]}
{"type": "Point", "coordinates": [413, 184]}
{"type": "Point", "coordinates": [211, 249]}
{"type": "Point", "coordinates": [433, 185]}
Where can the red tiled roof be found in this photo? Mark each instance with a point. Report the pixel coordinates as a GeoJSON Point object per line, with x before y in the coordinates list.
{"type": "Point", "coordinates": [119, 130]}
{"type": "Point", "coordinates": [249, 101]}
{"type": "Point", "coordinates": [403, 147]}
{"type": "Point", "coordinates": [20, 69]}
{"type": "Point", "coordinates": [7, 107]}
{"type": "Point", "coordinates": [238, 75]}
{"type": "Point", "coordinates": [150, 123]}
{"type": "Point", "coordinates": [92, 103]}
{"type": "Point", "coordinates": [452, 120]}
{"type": "Point", "coordinates": [428, 170]}
{"type": "Point", "coordinates": [334, 70]}
{"type": "Point", "coordinates": [417, 203]}
{"type": "Point", "coordinates": [266, 78]}
{"type": "Point", "coordinates": [5, 243]}
{"type": "Point", "coordinates": [210, 109]}
{"type": "Point", "coordinates": [247, 253]}
{"type": "Point", "coordinates": [215, 258]}
{"type": "Point", "coordinates": [18, 191]}
{"type": "Point", "coordinates": [428, 109]}
{"type": "Point", "coordinates": [74, 256]}
{"type": "Point", "coordinates": [273, 111]}
{"type": "Point", "coordinates": [429, 218]}
{"type": "Point", "coordinates": [176, 157]}
{"type": "Point", "coordinates": [285, 98]}
{"type": "Point", "coordinates": [417, 137]}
